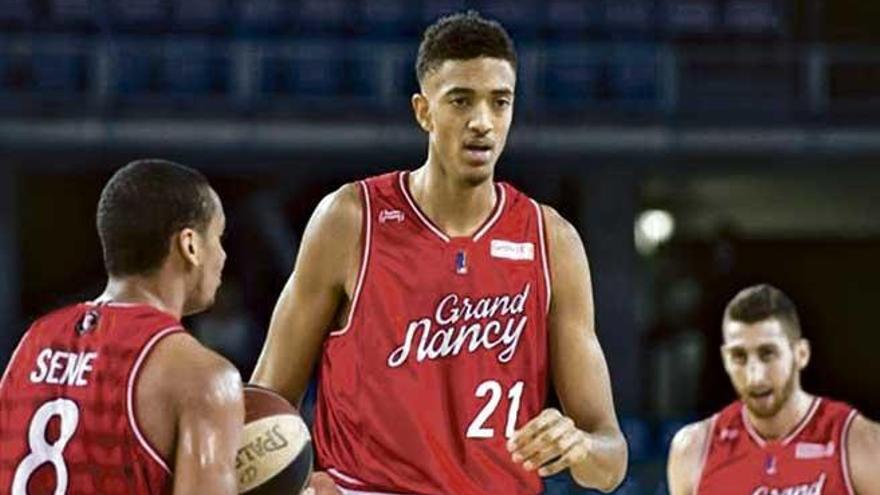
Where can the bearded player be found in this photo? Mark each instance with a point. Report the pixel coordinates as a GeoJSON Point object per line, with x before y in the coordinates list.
{"type": "Point", "coordinates": [776, 439]}
{"type": "Point", "coordinates": [113, 396]}
{"type": "Point", "coordinates": [440, 304]}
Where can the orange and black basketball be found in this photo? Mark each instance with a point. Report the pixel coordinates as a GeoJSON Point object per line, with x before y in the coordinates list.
{"type": "Point", "coordinates": [276, 452]}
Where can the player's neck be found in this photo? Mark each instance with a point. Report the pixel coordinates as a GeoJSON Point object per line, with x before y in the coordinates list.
{"type": "Point", "coordinates": [151, 291]}
{"type": "Point", "coordinates": [786, 420]}
{"type": "Point", "coordinates": [457, 207]}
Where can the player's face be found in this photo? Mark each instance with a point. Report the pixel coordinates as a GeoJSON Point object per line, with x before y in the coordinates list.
{"type": "Point", "coordinates": [211, 259]}
{"type": "Point", "coordinates": [466, 106]}
{"type": "Point", "coordinates": [763, 364]}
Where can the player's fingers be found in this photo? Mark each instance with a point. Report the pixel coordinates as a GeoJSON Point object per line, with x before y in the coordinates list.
{"type": "Point", "coordinates": [553, 451]}
{"type": "Point", "coordinates": [570, 457]}
{"type": "Point", "coordinates": [533, 427]}
{"type": "Point", "coordinates": [546, 442]}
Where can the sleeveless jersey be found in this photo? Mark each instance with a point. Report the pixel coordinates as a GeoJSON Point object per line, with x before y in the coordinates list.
{"type": "Point", "coordinates": [444, 353]}
{"type": "Point", "coordinates": [809, 461]}
{"type": "Point", "coordinates": [67, 418]}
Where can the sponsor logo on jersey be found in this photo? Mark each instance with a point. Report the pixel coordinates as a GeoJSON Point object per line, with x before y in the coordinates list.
{"type": "Point", "coordinates": [814, 488]}
{"type": "Point", "coordinates": [391, 216]}
{"type": "Point", "coordinates": [509, 250]}
{"type": "Point", "coordinates": [806, 450]}
{"type": "Point", "coordinates": [460, 323]}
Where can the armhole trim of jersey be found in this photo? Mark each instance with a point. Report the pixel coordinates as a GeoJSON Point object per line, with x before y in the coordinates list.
{"type": "Point", "coordinates": [367, 229]}
{"type": "Point", "coordinates": [704, 455]}
{"type": "Point", "coordinates": [545, 253]}
{"type": "Point", "coordinates": [129, 395]}
{"type": "Point", "coordinates": [12, 358]}
{"type": "Point", "coordinates": [844, 451]}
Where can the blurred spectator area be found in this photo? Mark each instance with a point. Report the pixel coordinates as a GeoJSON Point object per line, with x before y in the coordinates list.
{"type": "Point", "coordinates": [579, 59]}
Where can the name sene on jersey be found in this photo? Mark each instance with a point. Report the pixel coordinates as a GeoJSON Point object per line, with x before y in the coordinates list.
{"type": "Point", "coordinates": [58, 367]}
{"type": "Point", "coordinates": [461, 323]}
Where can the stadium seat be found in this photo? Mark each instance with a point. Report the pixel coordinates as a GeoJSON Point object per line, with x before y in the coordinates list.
{"type": "Point", "coordinates": [262, 17]}
{"type": "Point", "coordinates": [16, 15]}
{"type": "Point", "coordinates": [194, 67]}
{"type": "Point", "coordinates": [572, 19]}
{"type": "Point", "coordinates": [752, 17]}
{"type": "Point", "coordinates": [137, 69]}
{"type": "Point", "coordinates": [432, 9]}
{"type": "Point", "coordinates": [386, 19]}
{"type": "Point", "coordinates": [305, 69]}
{"type": "Point", "coordinates": [520, 18]}
{"type": "Point", "coordinates": [625, 18]}
{"type": "Point", "coordinates": [689, 17]}
{"type": "Point", "coordinates": [639, 438]}
{"type": "Point", "coordinates": [571, 75]}
{"type": "Point", "coordinates": [322, 17]}
{"type": "Point", "coordinates": [59, 71]}
{"type": "Point", "coordinates": [202, 16]}
{"type": "Point", "coordinates": [149, 16]}
{"type": "Point", "coordinates": [76, 15]}
{"type": "Point", "coordinates": [633, 73]}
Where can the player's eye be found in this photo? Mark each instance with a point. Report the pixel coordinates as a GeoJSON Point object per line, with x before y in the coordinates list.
{"type": "Point", "coordinates": [503, 102]}
{"type": "Point", "coordinates": [459, 102]}
{"type": "Point", "coordinates": [767, 354]}
{"type": "Point", "coordinates": [738, 357]}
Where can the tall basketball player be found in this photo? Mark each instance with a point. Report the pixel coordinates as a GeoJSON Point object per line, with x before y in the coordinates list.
{"type": "Point", "coordinates": [113, 396]}
{"type": "Point", "coordinates": [776, 439]}
{"type": "Point", "coordinates": [441, 304]}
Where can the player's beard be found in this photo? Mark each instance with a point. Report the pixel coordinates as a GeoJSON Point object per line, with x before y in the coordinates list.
{"type": "Point", "coordinates": [780, 398]}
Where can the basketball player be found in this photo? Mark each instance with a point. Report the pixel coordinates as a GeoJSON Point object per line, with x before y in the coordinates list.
{"type": "Point", "coordinates": [776, 439]}
{"type": "Point", "coordinates": [113, 396]}
{"type": "Point", "coordinates": [440, 304]}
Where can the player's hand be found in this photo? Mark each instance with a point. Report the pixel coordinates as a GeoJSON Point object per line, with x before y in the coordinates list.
{"type": "Point", "coordinates": [321, 484]}
{"type": "Point", "coordinates": [549, 443]}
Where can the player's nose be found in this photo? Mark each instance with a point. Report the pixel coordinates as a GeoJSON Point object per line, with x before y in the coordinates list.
{"type": "Point", "coordinates": [481, 119]}
{"type": "Point", "coordinates": [756, 373]}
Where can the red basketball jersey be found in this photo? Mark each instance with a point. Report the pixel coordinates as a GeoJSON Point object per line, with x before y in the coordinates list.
{"type": "Point", "coordinates": [67, 421]}
{"type": "Point", "coordinates": [444, 353]}
{"type": "Point", "coordinates": [809, 461]}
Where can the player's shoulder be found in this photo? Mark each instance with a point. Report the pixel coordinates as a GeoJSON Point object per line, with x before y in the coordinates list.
{"type": "Point", "coordinates": [191, 371]}
{"type": "Point", "coordinates": [864, 436]}
{"type": "Point", "coordinates": [341, 208]}
{"type": "Point", "coordinates": [690, 440]}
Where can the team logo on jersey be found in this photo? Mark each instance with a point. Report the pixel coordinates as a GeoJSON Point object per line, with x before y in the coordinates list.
{"type": "Point", "coordinates": [770, 465]}
{"type": "Point", "coordinates": [461, 324]}
{"type": "Point", "coordinates": [509, 250]}
{"type": "Point", "coordinates": [806, 450]}
{"type": "Point", "coordinates": [390, 216]}
{"type": "Point", "coordinates": [814, 488]}
{"type": "Point", "coordinates": [88, 321]}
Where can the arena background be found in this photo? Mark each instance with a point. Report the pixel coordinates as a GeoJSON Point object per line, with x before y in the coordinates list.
{"type": "Point", "coordinates": [698, 146]}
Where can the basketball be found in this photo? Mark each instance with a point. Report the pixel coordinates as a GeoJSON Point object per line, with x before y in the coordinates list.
{"type": "Point", "coordinates": [275, 456]}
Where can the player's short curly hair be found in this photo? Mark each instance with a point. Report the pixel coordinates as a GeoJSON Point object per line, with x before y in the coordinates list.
{"type": "Point", "coordinates": [462, 36]}
{"type": "Point", "coordinates": [762, 302]}
{"type": "Point", "coordinates": [142, 206]}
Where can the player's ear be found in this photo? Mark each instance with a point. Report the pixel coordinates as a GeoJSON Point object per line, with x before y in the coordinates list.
{"type": "Point", "coordinates": [422, 111]}
{"type": "Point", "coordinates": [802, 352]}
{"type": "Point", "coordinates": [188, 247]}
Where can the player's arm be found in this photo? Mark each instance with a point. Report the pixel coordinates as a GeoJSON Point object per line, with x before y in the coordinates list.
{"type": "Point", "coordinates": [585, 437]}
{"type": "Point", "coordinates": [313, 297]}
{"type": "Point", "coordinates": [864, 456]}
{"type": "Point", "coordinates": [685, 456]}
{"type": "Point", "coordinates": [196, 414]}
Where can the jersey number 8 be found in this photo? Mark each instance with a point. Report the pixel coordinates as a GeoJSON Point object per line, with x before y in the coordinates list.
{"type": "Point", "coordinates": [42, 452]}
